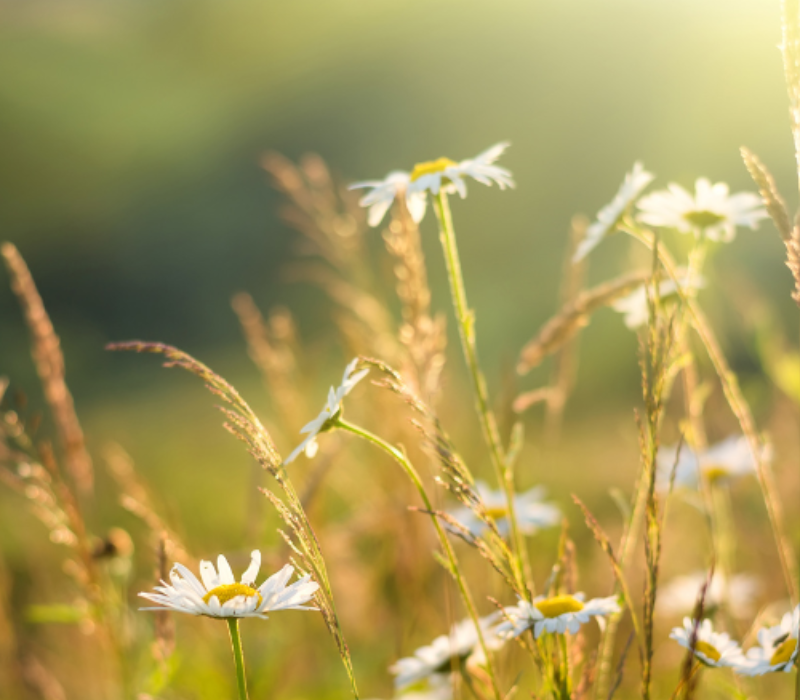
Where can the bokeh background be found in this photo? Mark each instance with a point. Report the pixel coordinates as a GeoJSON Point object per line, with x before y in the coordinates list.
{"type": "Point", "coordinates": [131, 136]}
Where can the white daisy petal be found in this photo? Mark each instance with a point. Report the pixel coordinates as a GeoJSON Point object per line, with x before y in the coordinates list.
{"type": "Point", "coordinates": [381, 195]}
{"type": "Point", "coordinates": [225, 572]}
{"type": "Point", "coordinates": [251, 573]}
{"type": "Point", "coordinates": [608, 217]}
{"type": "Point", "coordinates": [209, 575]}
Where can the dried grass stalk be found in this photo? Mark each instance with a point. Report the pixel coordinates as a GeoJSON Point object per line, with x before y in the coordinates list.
{"type": "Point", "coordinates": [776, 207]}
{"type": "Point", "coordinates": [790, 49]}
{"type": "Point", "coordinates": [41, 680]}
{"type": "Point", "coordinates": [457, 479]}
{"type": "Point", "coordinates": [272, 345]}
{"type": "Point", "coordinates": [778, 213]}
{"type": "Point", "coordinates": [49, 361]}
{"type": "Point", "coordinates": [135, 498]}
{"type": "Point", "coordinates": [164, 643]}
{"type": "Point", "coordinates": [574, 316]}
{"type": "Point", "coordinates": [565, 366]}
{"type": "Point", "coordinates": [328, 216]}
{"type": "Point", "coordinates": [242, 422]}
{"type": "Point", "coordinates": [423, 336]}
{"type": "Point", "coordinates": [32, 472]}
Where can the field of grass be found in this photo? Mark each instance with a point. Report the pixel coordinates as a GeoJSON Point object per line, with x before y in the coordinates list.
{"type": "Point", "coordinates": [536, 525]}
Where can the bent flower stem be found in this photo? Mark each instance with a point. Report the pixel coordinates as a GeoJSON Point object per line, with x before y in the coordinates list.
{"type": "Point", "coordinates": [466, 596]}
{"type": "Point", "coordinates": [466, 325]}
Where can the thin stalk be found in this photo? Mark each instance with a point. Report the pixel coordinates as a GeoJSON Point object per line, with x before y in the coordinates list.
{"type": "Point", "coordinates": [740, 409]}
{"type": "Point", "coordinates": [466, 327]}
{"type": "Point", "coordinates": [566, 679]}
{"type": "Point", "coordinates": [797, 684]}
{"type": "Point", "coordinates": [726, 537]}
{"type": "Point", "coordinates": [694, 410]}
{"type": "Point", "coordinates": [409, 469]}
{"type": "Point", "coordinates": [238, 656]}
{"type": "Point", "coordinates": [627, 547]}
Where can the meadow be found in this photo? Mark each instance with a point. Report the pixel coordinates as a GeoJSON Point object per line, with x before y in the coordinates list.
{"type": "Point", "coordinates": [574, 478]}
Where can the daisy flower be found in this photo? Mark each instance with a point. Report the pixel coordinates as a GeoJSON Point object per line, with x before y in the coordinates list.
{"type": "Point", "coordinates": [712, 212]}
{"type": "Point", "coordinates": [445, 174]}
{"type": "Point", "coordinates": [329, 413]}
{"type": "Point", "coordinates": [219, 595]}
{"type": "Point", "coordinates": [712, 648]}
{"type": "Point", "coordinates": [679, 596]}
{"type": "Point", "coordinates": [383, 192]}
{"type": "Point", "coordinates": [725, 461]}
{"type": "Point", "coordinates": [608, 217]}
{"type": "Point", "coordinates": [777, 647]}
{"type": "Point", "coordinates": [432, 176]}
{"type": "Point", "coordinates": [532, 514]}
{"type": "Point", "coordinates": [635, 308]}
{"type": "Point", "coordinates": [558, 614]}
{"type": "Point", "coordinates": [446, 652]}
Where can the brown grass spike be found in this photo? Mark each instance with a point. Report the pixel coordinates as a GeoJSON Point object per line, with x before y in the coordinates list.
{"type": "Point", "coordinates": [49, 362]}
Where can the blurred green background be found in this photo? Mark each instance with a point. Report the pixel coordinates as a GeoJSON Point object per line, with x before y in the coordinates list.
{"type": "Point", "coordinates": [130, 140]}
{"type": "Point", "coordinates": [131, 134]}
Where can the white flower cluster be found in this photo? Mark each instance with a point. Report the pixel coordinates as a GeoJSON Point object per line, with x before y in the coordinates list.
{"type": "Point", "coordinates": [776, 650]}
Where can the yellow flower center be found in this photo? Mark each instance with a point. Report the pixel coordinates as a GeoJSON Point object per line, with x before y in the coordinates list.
{"type": "Point", "coordinates": [553, 607]}
{"type": "Point", "coordinates": [715, 472]}
{"type": "Point", "coordinates": [784, 652]}
{"type": "Point", "coordinates": [431, 166]}
{"type": "Point", "coordinates": [496, 512]}
{"type": "Point", "coordinates": [708, 650]}
{"type": "Point", "coordinates": [229, 591]}
{"type": "Point", "coordinates": [703, 219]}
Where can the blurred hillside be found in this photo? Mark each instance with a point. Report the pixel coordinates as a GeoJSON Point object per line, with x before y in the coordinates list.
{"type": "Point", "coordinates": [132, 131]}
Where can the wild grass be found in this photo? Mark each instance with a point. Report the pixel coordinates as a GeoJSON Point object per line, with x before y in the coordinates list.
{"type": "Point", "coordinates": [426, 554]}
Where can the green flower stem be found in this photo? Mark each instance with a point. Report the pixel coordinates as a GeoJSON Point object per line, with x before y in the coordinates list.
{"type": "Point", "coordinates": [796, 682]}
{"type": "Point", "coordinates": [409, 469]}
{"type": "Point", "coordinates": [238, 656]}
{"type": "Point", "coordinates": [566, 677]}
{"type": "Point", "coordinates": [466, 327]}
